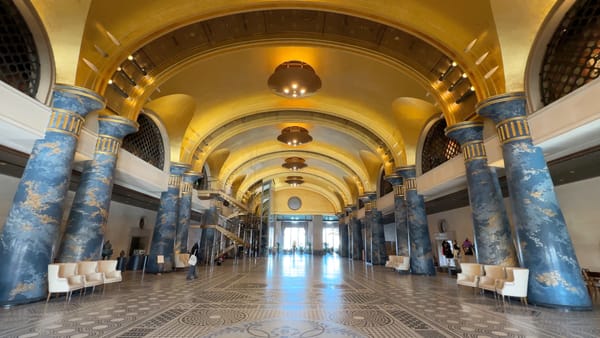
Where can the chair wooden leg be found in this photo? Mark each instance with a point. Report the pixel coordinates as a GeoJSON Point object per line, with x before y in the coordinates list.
{"type": "Point", "coordinates": [48, 298]}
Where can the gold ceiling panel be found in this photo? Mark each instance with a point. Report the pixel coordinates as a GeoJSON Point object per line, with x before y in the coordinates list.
{"type": "Point", "coordinates": [202, 66]}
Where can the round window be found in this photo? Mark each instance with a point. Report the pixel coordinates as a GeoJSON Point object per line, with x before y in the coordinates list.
{"type": "Point", "coordinates": [294, 203]}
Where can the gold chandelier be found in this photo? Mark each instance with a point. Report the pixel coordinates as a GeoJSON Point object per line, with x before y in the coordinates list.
{"type": "Point", "coordinates": [294, 163]}
{"type": "Point", "coordinates": [294, 181]}
{"type": "Point", "coordinates": [294, 79]}
{"type": "Point", "coordinates": [294, 136]}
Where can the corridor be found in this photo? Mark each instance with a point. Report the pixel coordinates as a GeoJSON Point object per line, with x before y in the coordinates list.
{"type": "Point", "coordinates": [290, 296]}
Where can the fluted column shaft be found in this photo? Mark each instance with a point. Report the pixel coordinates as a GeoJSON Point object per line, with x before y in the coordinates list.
{"type": "Point", "coordinates": [163, 238]}
{"type": "Point", "coordinates": [86, 224]}
{"type": "Point", "coordinates": [421, 256]}
{"type": "Point", "coordinates": [33, 221]}
{"type": "Point", "coordinates": [400, 215]}
{"type": "Point", "coordinates": [544, 243]}
{"type": "Point", "coordinates": [491, 228]}
{"type": "Point", "coordinates": [185, 211]}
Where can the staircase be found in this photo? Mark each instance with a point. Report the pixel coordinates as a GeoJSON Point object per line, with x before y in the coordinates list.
{"type": "Point", "coordinates": [232, 236]}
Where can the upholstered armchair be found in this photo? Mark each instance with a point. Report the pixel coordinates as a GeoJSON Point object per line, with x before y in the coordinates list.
{"type": "Point", "coordinates": [515, 284]}
{"type": "Point", "coordinates": [469, 275]}
{"type": "Point", "coordinates": [491, 274]}
{"type": "Point", "coordinates": [181, 260]}
{"type": "Point", "coordinates": [110, 274]}
{"type": "Point", "coordinates": [403, 265]}
{"type": "Point", "coordinates": [391, 262]}
{"type": "Point", "coordinates": [59, 283]}
{"type": "Point", "coordinates": [91, 276]}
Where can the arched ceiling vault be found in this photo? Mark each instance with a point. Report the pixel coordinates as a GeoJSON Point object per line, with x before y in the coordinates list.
{"type": "Point", "coordinates": [202, 66]}
{"type": "Point", "coordinates": [326, 185]}
{"type": "Point", "coordinates": [272, 165]}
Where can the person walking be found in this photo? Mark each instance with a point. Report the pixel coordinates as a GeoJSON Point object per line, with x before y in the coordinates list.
{"type": "Point", "coordinates": [192, 274]}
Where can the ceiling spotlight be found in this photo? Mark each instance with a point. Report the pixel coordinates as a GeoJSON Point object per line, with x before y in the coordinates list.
{"type": "Point", "coordinates": [295, 79]}
{"type": "Point", "coordinates": [294, 136]}
{"type": "Point", "coordinates": [294, 163]}
{"type": "Point", "coordinates": [294, 181]}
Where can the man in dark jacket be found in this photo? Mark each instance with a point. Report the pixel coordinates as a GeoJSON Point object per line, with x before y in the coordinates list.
{"type": "Point", "coordinates": [192, 271]}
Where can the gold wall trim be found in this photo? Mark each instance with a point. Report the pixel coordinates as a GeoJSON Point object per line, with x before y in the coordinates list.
{"type": "Point", "coordinates": [474, 150]}
{"type": "Point", "coordinates": [107, 145]}
{"type": "Point", "coordinates": [411, 184]}
{"type": "Point", "coordinates": [64, 121]}
{"type": "Point", "coordinates": [79, 91]}
{"type": "Point", "coordinates": [499, 99]}
{"type": "Point", "coordinates": [513, 129]}
{"type": "Point", "coordinates": [174, 181]}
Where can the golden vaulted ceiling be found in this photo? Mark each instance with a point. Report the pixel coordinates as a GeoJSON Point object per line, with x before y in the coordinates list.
{"type": "Point", "coordinates": [202, 67]}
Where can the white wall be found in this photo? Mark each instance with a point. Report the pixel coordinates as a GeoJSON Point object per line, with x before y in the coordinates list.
{"type": "Point", "coordinates": [579, 203]}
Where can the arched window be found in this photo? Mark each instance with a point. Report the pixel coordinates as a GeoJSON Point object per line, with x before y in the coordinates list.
{"type": "Point", "coordinates": [572, 58]}
{"type": "Point", "coordinates": [147, 143]}
{"type": "Point", "coordinates": [19, 59]}
{"type": "Point", "coordinates": [437, 148]}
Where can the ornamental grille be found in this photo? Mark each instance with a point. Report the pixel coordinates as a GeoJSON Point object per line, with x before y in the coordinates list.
{"type": "Point", "coordinates": [147, 143]}
{"type": "Point", "coordinates": [19, 61]}
{"type": "Point", "coordinates": [437, 148]}
{"type": "Point", "coordinates": [573, 55]}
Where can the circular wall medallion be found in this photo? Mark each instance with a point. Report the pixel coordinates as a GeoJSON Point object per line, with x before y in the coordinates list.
{"type": "Point", "coordinates": [294, 203]}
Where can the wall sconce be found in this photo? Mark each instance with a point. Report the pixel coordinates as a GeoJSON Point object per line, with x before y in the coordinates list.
{"type": "Point", "coordinates": [466, 95]}
{"type": "Point", "coordinates": [123, 73]}
{"type": "Point", "coordinates": [448, 71]}
{"type": "Point", "coordinates": [118, 89]}
{"type": "Point", "coordinates": [460, 80]}
{"type": "Point", "coordinates": [137, 65]}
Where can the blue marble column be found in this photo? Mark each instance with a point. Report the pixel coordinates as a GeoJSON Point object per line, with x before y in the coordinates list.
{"type": "Point", "coordinates": [366, 229]}
{"type": "Point", "coordinates": [163, 237]}
{"type": "Point", "coordinates": [343, 233]}
{"type": "Point", "coordinates": [421, 256]}
{"type": "Point", "coordinates": [86, 225]}
{"type": "Point", "coordinates": [211, 217]}
{"type": "Point", "coordinates": [543, 240]}
{"type": "Point", "coordinates": [400, 215]}
{"type": "Point", "coordinates": [357, 240]}
{"type": "Point", "coordinates": [185, 211]}
{"type": "Point", "coordinates": [378, 250]}
{"type": "Point", "coordinates": [491, 228]}
{"type": "Point", "coordinates": [33, 221]}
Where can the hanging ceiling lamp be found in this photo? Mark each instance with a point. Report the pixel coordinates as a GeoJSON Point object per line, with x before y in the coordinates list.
{"type": "Point", "coordinates": [294, 181]}
{"type": "Point", "coordinates": [294, 136]}
{"type": "Point", "coordinates": [294, 79]}
{"type": "Point", "coordinates": [294, 163]}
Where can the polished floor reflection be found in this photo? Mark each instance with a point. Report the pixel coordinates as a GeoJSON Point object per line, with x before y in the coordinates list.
{"type": "Point", "coordinates": [291, 296]}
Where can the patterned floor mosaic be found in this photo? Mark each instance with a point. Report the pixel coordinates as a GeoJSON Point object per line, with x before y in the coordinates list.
{"type": "Point", "coordinates": [291, 296]}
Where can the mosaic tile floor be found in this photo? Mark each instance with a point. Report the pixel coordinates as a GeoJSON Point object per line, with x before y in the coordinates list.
{"type": "Point", "coordinates": [290, 296]}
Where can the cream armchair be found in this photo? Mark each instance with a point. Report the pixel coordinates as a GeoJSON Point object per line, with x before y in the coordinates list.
{"type": "Point", "coordinates": [58, 282]}
{"type": "Point", "coordinates": [181, 260]}
{"type": "Point", "coordinates": [404, 265]}
{"type": "Point", "coordinates": [492, 274]}
{"type": "Point", "coordinates": [469, 275]}
{"type": "Point", "coordinates": [91, 276]}
{"type": "Point", "coordinates": [110, 274]}
{"type": "Point", "coordinates": [515, 284]}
